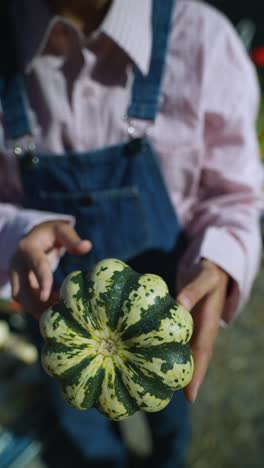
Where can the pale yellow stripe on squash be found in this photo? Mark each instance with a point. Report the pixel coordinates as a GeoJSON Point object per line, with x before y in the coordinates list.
{"type": "Point", "coordinates": [177, 329]}
{"type": "Point", "coordinates": [56, 363]}
{"type": "Point", "coordinates": [108, 400]}
{"type": "Point", "coordinates": [180, 374]}
{"type": "Point", "coordinates": [53, 326]}
{"type": "Point", "coordinates": [144, 399]}
{"type": "Point", "coordinates": [104, 271]}
{"type": "Point", "coordinates": [184, 373]}
{"type": "Point", "coordinates": [102, 279]}
{"type": "Point", "coordinates": [75, 394]}
{"type": "Point", "coordinates": [151, 288]}
{"type": "Point", "coordinates": [69, 290]}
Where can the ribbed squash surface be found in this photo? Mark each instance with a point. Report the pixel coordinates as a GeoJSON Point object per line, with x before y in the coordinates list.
{"type": "Point", "coordinates": [117, 341]}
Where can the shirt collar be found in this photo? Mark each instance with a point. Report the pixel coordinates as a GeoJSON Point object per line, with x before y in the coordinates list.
{"type": "Point", "coordinates": [127, 23]}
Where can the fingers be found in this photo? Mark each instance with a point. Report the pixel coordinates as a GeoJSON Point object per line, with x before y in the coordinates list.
{"type": "Point", "coordinates": [31, 266]}
{"type": "Point", "coordinates": [39, 264]}
{"type": "Point", "coordinates": [204, 296]}
{"type": "Point", "coordinates": [68, 238]}
{"type": "Point", "coordinates": [33, 282]}
{"type": "Point", "coordinates": [15, 283]}
{"type": "Point", "coordinates": [206, 325]}
{"type": "Point", "coordinates": [31, 303]}
{"type": "Point", "coordinates": [204, 282]}
{"type": "Point", "coordinates": [27, 292]}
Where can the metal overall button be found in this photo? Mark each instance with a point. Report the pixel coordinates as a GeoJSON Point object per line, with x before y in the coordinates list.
{"type": "Point", "coordinates": [86, 200]}
{"type": "Point", "coordinates": [134, 146]}
{"type": "Point", "coordinates": [24, 150]}
{"type": "Point", "coordinates": [29, 160]}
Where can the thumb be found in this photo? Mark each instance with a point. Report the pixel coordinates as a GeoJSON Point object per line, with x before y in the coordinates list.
{"type": "Point", "coordinates": [68, 238]}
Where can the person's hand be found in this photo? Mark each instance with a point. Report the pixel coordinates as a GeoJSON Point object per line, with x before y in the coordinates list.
{"type": "Point", "coordinates": [31, 266]}
{"type": "Point", "coordinates": [205, 296]}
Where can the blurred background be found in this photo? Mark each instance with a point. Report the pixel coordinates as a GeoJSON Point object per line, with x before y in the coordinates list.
{"type": "Point", "coordinates": [243, 9]}
{"type": "Point", "coordinates": [228, 417]}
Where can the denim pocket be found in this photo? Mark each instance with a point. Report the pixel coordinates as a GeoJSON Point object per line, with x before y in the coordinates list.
{"type": "Point", "coordinates": [112, 219]}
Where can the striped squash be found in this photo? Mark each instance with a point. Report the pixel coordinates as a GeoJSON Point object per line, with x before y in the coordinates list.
{"type": "Point", "coordinates": [117, 341]}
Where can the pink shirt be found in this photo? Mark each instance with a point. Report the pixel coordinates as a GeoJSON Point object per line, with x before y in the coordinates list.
{"type": "Point", "coordinates": [79, 89]}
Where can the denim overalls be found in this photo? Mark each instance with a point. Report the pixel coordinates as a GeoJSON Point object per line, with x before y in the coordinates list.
{"type": "Point", "coordinates": [120, 202]}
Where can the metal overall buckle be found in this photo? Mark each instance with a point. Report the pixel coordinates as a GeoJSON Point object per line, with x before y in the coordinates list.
{"type": "Point", "coordinates": [24, 149]}
{"type": "Point", "coordinates": [136, 137]}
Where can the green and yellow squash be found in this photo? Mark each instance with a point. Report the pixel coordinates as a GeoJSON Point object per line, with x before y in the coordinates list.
{"type": "Point", "coordinates": [117, 341]}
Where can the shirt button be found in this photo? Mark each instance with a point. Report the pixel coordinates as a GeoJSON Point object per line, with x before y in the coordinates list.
{"type": "Point", "coordinates": [88, 91]}
{"type": "Point", "coordinates": [161, 100]}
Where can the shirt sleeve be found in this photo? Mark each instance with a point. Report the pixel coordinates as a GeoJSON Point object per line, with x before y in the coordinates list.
{"type": "Point", "coordinates": [225, 224]}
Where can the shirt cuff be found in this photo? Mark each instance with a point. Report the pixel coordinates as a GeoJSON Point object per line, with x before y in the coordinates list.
{"type": "Point", "coordinates": [224, 250]}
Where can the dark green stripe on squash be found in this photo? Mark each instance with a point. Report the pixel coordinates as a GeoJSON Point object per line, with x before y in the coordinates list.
{"type": "Point", "coordinates": [117, 391]}
{"type": "Point", "coordinates": [122, 283]}
{"type": "Point", "coordinates": [151, 318]}
{"type": "Point", "coordinates": [171, 353]}
{"type": "Point", "coordinates": [168, 354]}
{"type": "Point", "coordinates": [84, 295]}
{"type": "Point", "coordinates": [70, 374]}
{"type": "Point", "coordinates": [92, 391]}
{"type": "Point", "coordinates": [66, 314]}
{"type": "Point", "coordinates": [123, 394]}
{"type": "Point", "coordinates": [150, 383]}
{"type": "Point", "coordinates": [53, 346]}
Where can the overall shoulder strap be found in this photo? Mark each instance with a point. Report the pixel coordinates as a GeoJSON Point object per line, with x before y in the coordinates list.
{"type": "Point", "coordinates": [14, 106]}
{"type": "Point", "coordinates": [12, 95]}
{"type": "Point", "coordinates": [146, 89]}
